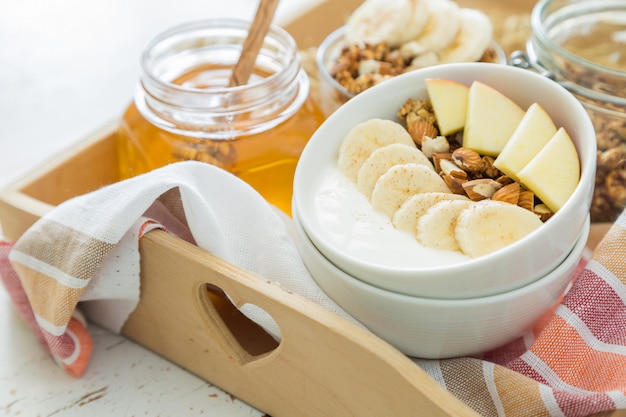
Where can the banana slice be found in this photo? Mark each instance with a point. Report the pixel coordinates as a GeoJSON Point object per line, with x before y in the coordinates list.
{"type": "Point", "coordinates": [400, 182]}
{"type": "Point", "coordinates": [384, 158]}
{"type": "Point", "coordinates": [472, 39]}
{"type": "Point", "coordinates": [436, 227]}
{"type": "Point", "coordinates": [442, 27]}
{"type": "Point", "coordinates": [490, 225]}
{"type": "Point", "coordinates": [391, 21]}
{"type": "Point", "coordinates": [365, 138]}
{"type": "Point", "coordinates": [406, 217]}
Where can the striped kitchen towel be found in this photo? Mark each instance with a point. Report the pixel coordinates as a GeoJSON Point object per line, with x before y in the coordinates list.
{"type": "Point", "coordinates": [574, 364]}
{"type": "Point", "coordinates": [83, 258]}
{"type": "Point", "coordinates": [86, 250]}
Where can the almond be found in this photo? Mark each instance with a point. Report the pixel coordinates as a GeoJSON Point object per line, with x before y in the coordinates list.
{"type": "Point", "coordinates": [481, 188]}
{"type": "Point", "coordinates": [438, 157]}
{"type": "Point", "coordinates": [447, 167]}
{"type": "Point", "coordinates": [543, 212]}
{"type": "Point", "coordinates": [454, 183]}
{"type": "Point", "coordinates": [526, 200]}
{"type": "Point", "coordinates": [489, 170]}
{"type": "Point", "coordinates": [420, 128]}
{"type": "Point", "coordinates": [468, 159]}
{"type": "Point", "coordinates": [434, 144]}
{"type": "Point", "coordinates": [504, 180]}
{"type": "Point", "coordinates": [508, 194]}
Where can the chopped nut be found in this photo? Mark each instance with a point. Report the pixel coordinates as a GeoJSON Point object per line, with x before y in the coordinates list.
{"type": "Point", "coordinates": [509, 193]}
{"type": "Point", "coordinates": [611, 158]}
{"type": "Point", "coordinates": [394, 60]}
{"type": "Point", "coordinates": [420, 128]}
{"type": "Point", "coordinates": [543, 212]}
{"type": "Point", "coordinates": [459, 174]}
{"type": "Point", "coordinates": [526, 200]}
{"type": "Point", "coordinates": [615, 183]}
{"type": "Point", "coordinates": [366, 54]}
{"type": "Point", "coordinates": [489, 170]}
{"type": "Point", "coordinates": [468, 159]}
{"type": "Point", "coordinates": [366, 81]}
{"type": "Point", "coordinates": [431, 146]}
{"type": "Point", "coordinates": [417, 110]}
{"type": "Point", "coordinates": [481, 188]}
{"type": "Point", "coordinates": [374, 67]}
{"type": "Point", "coordinates": [504, 179]}
{"type": "Point", "coordinates": [447, 167]}
{"type": "Point", "coordinates": [386, 68]}
{"type": "Point", "coordinates": [369, 66]}
{"type": "Point", "coordinates": [438, 157]}
{"type": "Point", "coordinates": [381, 50]}
{"type": "Point", "coordinates": [454, 183]}
{"type": "Point", "coordinates": [456, 139]}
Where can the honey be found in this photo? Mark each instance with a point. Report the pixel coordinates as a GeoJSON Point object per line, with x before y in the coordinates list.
{"type": "Point", "coordinates": [183, 109]}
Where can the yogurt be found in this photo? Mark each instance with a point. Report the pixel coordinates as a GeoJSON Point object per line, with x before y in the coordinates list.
{"type": "Point", "coordinates": [350, 222]}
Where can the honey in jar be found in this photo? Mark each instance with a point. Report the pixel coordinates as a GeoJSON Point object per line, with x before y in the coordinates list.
{"type": "Point", "coordinates": [183, 108]}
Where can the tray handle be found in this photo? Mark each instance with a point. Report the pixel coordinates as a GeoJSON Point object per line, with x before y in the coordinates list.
{"type": "Point", "coordinates": [323, 365]}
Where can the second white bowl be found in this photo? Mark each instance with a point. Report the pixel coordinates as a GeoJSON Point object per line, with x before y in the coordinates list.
{"type": "Point", "coordinates": [435, 329]}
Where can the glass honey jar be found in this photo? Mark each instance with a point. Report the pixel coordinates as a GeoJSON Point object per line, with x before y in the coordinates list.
{"type": "Point", "coordinates": [581, 44]}
{"type": "Point", "coordinates": [183, 108]}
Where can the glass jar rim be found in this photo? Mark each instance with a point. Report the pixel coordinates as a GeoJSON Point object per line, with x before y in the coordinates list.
{"type": "Point", "coordinates": [539, 30]}
{"type": "Point", "coordinates": [204, 24]}
{"type": "Point", "coordinates": [267, 100]}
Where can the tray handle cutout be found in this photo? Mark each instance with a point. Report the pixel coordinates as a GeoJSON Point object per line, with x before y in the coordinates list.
{"type": "Point", "coordinates": [323, 365]}
{"type": "Point", "coordinates": [243, 337]}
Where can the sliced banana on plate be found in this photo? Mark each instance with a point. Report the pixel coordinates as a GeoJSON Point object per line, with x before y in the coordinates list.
{"type": "Point", "coordinates": [384, 158]}
{"type": "Point", "coordinates": [472, 39]}
{"type": "Point", "coordinates": [436, 227]}
{"type": "Point", "coordinates": [365, 138]}
{"type": "Point", "coordinates": [392, 21]}
{"type": "Point", "coordinates": [489, 225]}
{"type": "Point", "coordinates": [400, 182]}
{"type": "Point", "coordinates": [406, 217]}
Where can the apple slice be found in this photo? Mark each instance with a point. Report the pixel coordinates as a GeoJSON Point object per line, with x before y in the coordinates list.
{"type": "Point", "coordinates": [532, 134]}
{"type": "Point", "coordinates": [491, 120]}
{"type": "Point", "coordinates": [554, 172]}
{"type": "Point", "coordinates": [449, 101]}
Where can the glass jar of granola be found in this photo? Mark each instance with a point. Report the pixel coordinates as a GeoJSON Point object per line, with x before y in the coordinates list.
{"type": "Point", "coordinates": [582, 45]}
{"type": "Point", "coordinates": [184, 108]}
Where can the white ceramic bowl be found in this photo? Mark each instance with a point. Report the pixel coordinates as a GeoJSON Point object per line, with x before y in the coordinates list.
{"type": "Point", "coordinates": [332, 94]}
{"type": "Point", "coordinates": [435, 329]}
{"type": "Point", "coordinates": [511, 267]}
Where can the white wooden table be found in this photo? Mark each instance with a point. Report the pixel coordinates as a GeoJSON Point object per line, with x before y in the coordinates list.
{"type": "Point", "coordinates": [68, 67]}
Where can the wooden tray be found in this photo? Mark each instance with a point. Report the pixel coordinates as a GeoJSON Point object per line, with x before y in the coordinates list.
{"type": "Point", "coordinates": [323, 366]}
